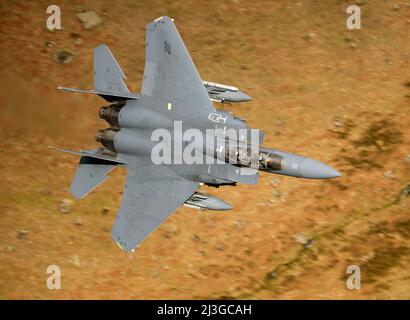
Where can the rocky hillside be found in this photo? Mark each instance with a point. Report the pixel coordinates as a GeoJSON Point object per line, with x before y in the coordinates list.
{"type": "Point", "coordinates": [318, 89]}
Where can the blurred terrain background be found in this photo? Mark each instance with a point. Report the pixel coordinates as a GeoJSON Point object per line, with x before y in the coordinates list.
{"type": "Point", "coordinates": [319, 89]}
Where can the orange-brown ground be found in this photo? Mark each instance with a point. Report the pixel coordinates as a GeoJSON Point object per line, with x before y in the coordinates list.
{"type": "Point", "coordinates": [318, 89]}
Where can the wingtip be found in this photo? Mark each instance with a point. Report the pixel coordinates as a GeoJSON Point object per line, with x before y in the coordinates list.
{"type": "Point", "coordinates": [56, 149]}
{"type": "Point", "coordinates": [164, 18]}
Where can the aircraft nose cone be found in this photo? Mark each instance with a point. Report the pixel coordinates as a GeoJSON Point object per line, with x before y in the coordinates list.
{"type": "Point", "coordinates": [313, 169]}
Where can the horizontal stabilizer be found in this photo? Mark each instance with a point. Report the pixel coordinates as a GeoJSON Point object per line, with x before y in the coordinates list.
{"type": "Point", "coordinates": [108, 75]}
{"type": "Point", "coordinates": [108, 78]}
{"type": "Point", "coordinates": [108, 96]}
{"type": "Point", "coordinates": [91, 172]}
{"type": "Point", "coordinates": [101, 154]}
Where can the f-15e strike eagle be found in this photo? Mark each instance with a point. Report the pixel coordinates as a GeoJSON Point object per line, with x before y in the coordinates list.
{"type": "Point", "coordinates": [173, 98]}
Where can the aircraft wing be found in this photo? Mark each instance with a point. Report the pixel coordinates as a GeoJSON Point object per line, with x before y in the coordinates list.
{"type": "Point", "coordinates": [152, 193]}
{"type": "Point", "coordinates": [169, 71]}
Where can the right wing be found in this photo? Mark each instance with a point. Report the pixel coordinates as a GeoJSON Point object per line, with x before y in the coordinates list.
{"type": "Point", "coordinates": [152, 193]}
{"type": "Point", "coordinates": [169, 71]}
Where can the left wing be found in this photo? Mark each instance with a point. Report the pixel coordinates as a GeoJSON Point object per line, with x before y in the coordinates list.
{"type": "Point", "coordinates": [152, 193]}
{"type": "Point", "coordinates": [169, 71]}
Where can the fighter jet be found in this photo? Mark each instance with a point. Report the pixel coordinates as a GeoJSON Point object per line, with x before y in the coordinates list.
{"type": "Point", "coordinates": [175, 100]}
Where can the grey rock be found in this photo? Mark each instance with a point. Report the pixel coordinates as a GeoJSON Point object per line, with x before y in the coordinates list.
{"type": "Point", "coordinates": [89, 19]}
{"type": "Point", "coordinates": [171, 231]}
{"type": "Point", "coordinates": [404, 193]}
{"type": "Point", "coordinates": [196, 237]}
{"type": "Point", "coordinates": [310, 243]}
{"type": "Point", "coordinates": [278, 195]}
{"type": "Point", "coordinates": [387, 61]}
{"type": "Point", "coordinates": [65, 206]}
{"type": "Point", "coordinates": [337, 122]}
{"type": "Point", "coordinates": [240, 224]}
{"type": "Point", "coordinates": [275, 182]}
{"type": "Point", "coordinates": [220, 247]}
{"type": "Point", "coordinates": [301, 238]}
{"type": "Point", "coordinates": [309, 36]}
{"type": "Point", "coordinates": [22, 234]}
{"type": "Point", "coordinates": [77, 38]}
{"type": "Point", "coordinates": [75, 260]}
{"type": "Point", "coordinates": [63, 56]}
{"type": "Point", "coordinates": [78, 41]}
{"type": "Point", "coordinates": [389, 174]}
{"type": "Point", "coordinates": [348, 38]}
{"type": "Point", "coordinates": [270, 203]}
{"type": "Point", "coordinates": [202, 253]}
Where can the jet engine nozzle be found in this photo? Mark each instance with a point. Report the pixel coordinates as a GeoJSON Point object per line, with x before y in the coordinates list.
{"type": "Point", "coordinates": [106, 138]}
{"type": "Point", "coordinates": [110, 114]}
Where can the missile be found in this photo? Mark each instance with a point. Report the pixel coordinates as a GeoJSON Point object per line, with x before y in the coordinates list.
{"type": "Point", "coordinates": [205, 201]}
{"type": "Point", "coordinates": [223, 93]}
